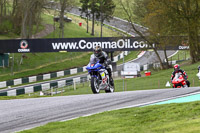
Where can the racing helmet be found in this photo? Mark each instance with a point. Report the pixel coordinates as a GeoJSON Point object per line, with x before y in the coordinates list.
{"type": "Point", "coordinates": [97, 51]}
{"type": "Point", "coordinates": [176, 67]}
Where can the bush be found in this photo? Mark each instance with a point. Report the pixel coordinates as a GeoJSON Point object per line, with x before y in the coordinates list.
{"type": "Point", "coordinates": [6, 26]}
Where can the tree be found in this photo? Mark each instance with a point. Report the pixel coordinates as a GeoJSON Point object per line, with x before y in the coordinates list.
{"type": "Point", "coordinates": [25, 15]}
{"type": "Point", "coordinates": [5, 17]}
{"type": "Point", "coordinates": [94, 7]}
{"type": "Point", "coordinates": [174, 17]}
{"type": "Point", "coordinates": [107, 8]}
{"type": "Point", "coordinates": [85, 9]}
{"type": "Point", "coordinates": [91, 7]}
{"type": "Point", "coordinates": [102, 9]}
{"type": "Point", "coordinates": [186, 13]}
{"type": "Point", "coordinates": [155, 18]}
{"type": "Point", "coordinates": [128, 9]}
{"type": "Point", "coordinates": [64, 5]}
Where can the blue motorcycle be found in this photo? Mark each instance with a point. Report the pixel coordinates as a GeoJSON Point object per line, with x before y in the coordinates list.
{"type": "Point", "coordinates": [99, 77]}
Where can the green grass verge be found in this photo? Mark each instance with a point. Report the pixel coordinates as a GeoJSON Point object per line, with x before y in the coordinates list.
{"type": "Point", "coordinates": [176, 118]}
{"type": "Point", "coordinates": [181, 55]}
{"type": "Point", "coordinates": [158, 79]}
{"type": "Point", "coordinates": [44, 63]}
{"type": "Point", "coordinates": [106, 32]}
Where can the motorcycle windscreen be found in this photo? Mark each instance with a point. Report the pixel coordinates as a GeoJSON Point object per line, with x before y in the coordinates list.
{"type": "Point", "coordinates": [93, 60]}
{"type": "Point", "coordinates": [178, 78]}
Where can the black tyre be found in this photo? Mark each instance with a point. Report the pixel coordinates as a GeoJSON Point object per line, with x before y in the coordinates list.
{"type": "Point", "coordinates": [188, 83]}
{"type": "Point", "coordinates": [94, 85]}
{"type": "Point", "coordinates": [111, 88]}
{"type": "Point", "coordinates": [175, 86]}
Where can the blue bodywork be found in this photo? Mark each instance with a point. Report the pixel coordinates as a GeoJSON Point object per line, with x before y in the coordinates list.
{"type": "Point", "coordinates": [94, 68]}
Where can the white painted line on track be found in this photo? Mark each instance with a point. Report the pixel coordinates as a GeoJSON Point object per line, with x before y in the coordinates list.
{"type": "Point", "coordinates": [173, 54]}
{"type": "Point", "coordinates": [134, 59]}
{"type": "Point", "coordinates": [137, 105]}
{"type": "Point", "coordinates": [157, 101]}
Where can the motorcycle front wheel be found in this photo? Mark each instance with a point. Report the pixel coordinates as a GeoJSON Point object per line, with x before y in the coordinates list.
{"type": "Point", "coordinates": [94, 85]}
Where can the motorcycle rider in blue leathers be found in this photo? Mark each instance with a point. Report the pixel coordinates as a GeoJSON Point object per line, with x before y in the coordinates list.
{"type": "Point", "coordinates": [103, 59]}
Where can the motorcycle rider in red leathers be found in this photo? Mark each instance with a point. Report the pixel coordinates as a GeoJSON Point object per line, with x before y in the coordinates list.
{"type": "Point", "coordinates": [177, 70]}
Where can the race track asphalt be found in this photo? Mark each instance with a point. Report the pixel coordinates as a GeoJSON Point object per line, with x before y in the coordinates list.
{"type": "Point", "coordinates": [22, 114]}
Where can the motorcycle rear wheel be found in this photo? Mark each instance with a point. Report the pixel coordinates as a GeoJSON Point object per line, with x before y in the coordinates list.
{"type": "Point", "coordinates": [111, 88]}
{"type": "Point", "coordinates": [188, 83]}
{"type": "Point", "coordinates": [94, 85]}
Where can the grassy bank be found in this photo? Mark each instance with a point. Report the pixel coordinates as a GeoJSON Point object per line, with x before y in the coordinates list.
{"type": "Point", "coordinates": [158, 79]}
{"type": "Point", "coordinates": [180, 118]}
{"type": "Point", "coordinates": [42, 63]}
{"type": "Point", "coordinates": [181, 55]}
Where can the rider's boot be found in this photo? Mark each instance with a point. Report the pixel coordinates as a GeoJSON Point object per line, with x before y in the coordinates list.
{"type": "Point", "coordinates": [111, 79]}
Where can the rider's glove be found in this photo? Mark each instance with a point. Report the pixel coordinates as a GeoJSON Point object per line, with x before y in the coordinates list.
{"type": "Point", "coordinates": [106, 63]}
{"type": "Point", "coordinates": [107, 67]}
{"type": "Point", "coordinates": [109, 61]}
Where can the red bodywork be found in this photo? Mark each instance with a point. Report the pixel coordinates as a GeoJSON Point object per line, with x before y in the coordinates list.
{"type": "Point", "coordinates": [178, 81]}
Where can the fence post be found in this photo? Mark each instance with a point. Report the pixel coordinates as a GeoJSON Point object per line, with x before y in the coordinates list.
{"type": "Point", "coordinates": [3, 63]}
{"type": "Point", "coordinates": [62, 92]}
{"type": "Point", "coordinates": [74, 85]}
{"type": "Point", "coordinates": [185, 55]}
{"type": "Point", "coordinates": [51, 91]}
{"type": "Point", "coordinates": [178, 55]}
{"type": "Point", "coordinates": [193, 81]}
{"type": "Point", "coordinates": [126, 86]}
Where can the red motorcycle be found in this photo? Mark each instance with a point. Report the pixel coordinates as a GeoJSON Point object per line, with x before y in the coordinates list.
{"type": "Point", "coordinates": [179, 81]}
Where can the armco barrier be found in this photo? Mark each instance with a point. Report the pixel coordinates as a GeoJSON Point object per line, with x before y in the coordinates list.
{"type": "Point", "coordinates": [48, 76]}
{"type": "Point", "coordinates": [43, 87]}
{"type": "Point", "coordinates": [41, 77]}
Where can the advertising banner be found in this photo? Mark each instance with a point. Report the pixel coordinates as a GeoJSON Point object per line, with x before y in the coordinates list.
{"type": "Point", "coordinates": [78, 45]}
